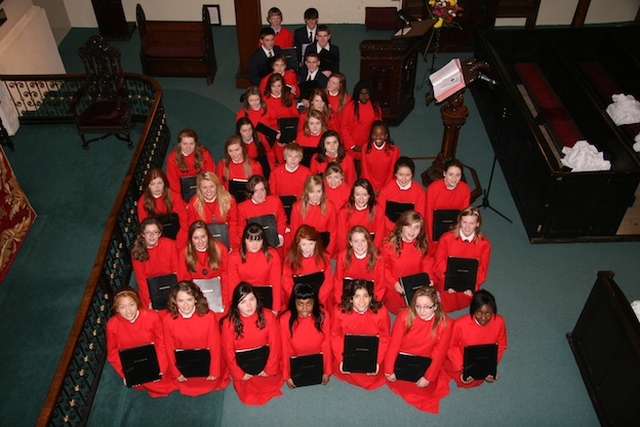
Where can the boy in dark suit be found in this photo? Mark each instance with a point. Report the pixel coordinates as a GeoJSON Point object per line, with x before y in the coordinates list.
{"type": "Point", "coordinates": [328, 53]}
{"type": "Point", "coordinates": [310, 75]}
{"type": "Point", "coordinates": [307, 34]}
{"type": "Point", "coordinates": [260, 61]}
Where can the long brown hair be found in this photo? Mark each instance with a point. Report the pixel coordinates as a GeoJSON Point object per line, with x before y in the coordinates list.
{"type": "Point", "coordinates": [240, 292]}
{"type": "Point", "coordinates": [139, 250]}
{"type": "Point", "coordinates": [346, 305]}
{"type": "Point", "coordinates": [199, 156]}
{"type": "Point", "coordinates": [148, 203]}
{"type": "Point", "coordinates": [440, 318]}
{"type": "Point", "coordinates": [226, 160]}
{"type": "Point", "coordinates": [372, 252]}
{"type": "Point", "coordinates": [214, 257]}
{"type": "Point", "coordinates": [343, 97]}
{"type": "Point", "coordinates": [469, 211]}
{"type": "Point", "coordinates": [202, 307]}
{"type": "Point", "coordinates": [314, 114]}
{"type": "Point", "coordinates": [309, 183]}
{"type": "Point", "coordinates": [294, 256]}
{"type": "Point", "coordinates": [395, 238]}
{"type": "Point", "coordinates": [371, 205]}
{"type": "Point", "coordinates": [253, 90]}
{"type": "Point", "coordinates": [285, 97]}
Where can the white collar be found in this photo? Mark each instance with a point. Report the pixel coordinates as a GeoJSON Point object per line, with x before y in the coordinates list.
{"type": "Point", "coordinates": [408, 186]}
{"type": "Point", "coordinates": [291, 170]}
{"type": "Point", "coordinates": [470, 238]}
{"type": "Point", "coordinates": [363, 256]}
{"type": "Point", "coordinates": [136, 317]}
{"type": "Point", "coordinates": [187, 316]}
{"type": "Point", "coordinates": [381, 147]}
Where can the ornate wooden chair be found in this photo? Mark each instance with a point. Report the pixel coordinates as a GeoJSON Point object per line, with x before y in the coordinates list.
{"type": "Point", "coordinates": [102, 103]}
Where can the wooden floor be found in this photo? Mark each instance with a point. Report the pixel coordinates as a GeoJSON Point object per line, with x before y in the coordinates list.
{"type": "Point", "coordinates": [630, 224]}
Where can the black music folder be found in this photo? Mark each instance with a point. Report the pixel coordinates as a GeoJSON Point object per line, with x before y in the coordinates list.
{"type": "Point", "coordinates": [220, 231]}
{"type": "Point", "coordinates": [480, 361]}
{"type": "Point", "coordinates": [188, 187]}
{"type": "Point", "coordinates": [326, 238]}
{"type": "Point", "coordinates": [412, 283]}
{"type": "Point", "coordinates": [140, 364]}
{"type": "Point", "coordinates": [461, 274]}
{"type": "Point", "coordinates": [288, 129]}
{"type": "Point", "coordinates": [443, 221]}
{"type": "Point", "coordinates": [268, 224]}
{"type": "Point", "coordinates": [410, 367]}
{"type": "Point", "coordinates": [306, 87]}
{"type": "Point", "coordinates": [291, 57]}
{"type": "Point", "coordinates": [170, 224]}
{"type": "Point", "coordinates": [314, 279]}
{"type": "Point", "coordinates": [238, 189]}
{"type": "Point", "coordinates": [265, 294]}
{"type": "Point", "coordinates": [360, 353]}
{"type": "Point", "coordinates": [307, 154]}
{"type": "Point", "coordinates": [287, 202]}
{"type": "Point", "coordinates": [253, 360]}
{"type": "Point", "coordinates": [193, 362]}
{"type": "Point", "coordinates": [307, 370]}
{"type": "Point", "coordinates": [393, 210]}
{"type": "Point", "coordinates": [212, 291]}
{"type": "Point", "coordinates": [160, 288]}
{"type": "Point", "coordinates": [270, 133]}
{"type": "Point", "coordinates": [327, 60]}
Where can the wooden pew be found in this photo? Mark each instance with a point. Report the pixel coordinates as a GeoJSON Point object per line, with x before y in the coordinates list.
{"type": "Point", "coordinates": [177, 48]}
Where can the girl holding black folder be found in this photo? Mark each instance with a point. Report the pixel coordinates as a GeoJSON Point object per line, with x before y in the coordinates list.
{"type": "Point", "coordinates": [190, 325]}
{"type": "Point", "coordinates": [134, 326]}
{"type": "Point", "coordinates": [188, 159]}
{"type": "Point", "coordinates": [360, 313]}
{"type": "Point", "coordinates": [236, 165]}
{"type": "Point", "coordinates": [251, 327]}
{"type": "Point", "coordinates": [483, 326]}
{"type": "Point", "coordinates": [305, 330]}
{"type": "Point", "coordinates": [423, 330]}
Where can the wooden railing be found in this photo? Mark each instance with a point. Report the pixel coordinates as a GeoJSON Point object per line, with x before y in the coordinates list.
{"type": "Point", "coordinates": [45, 99]}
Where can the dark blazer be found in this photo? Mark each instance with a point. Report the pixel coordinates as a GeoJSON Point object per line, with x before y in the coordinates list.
{"type": "Point", "coordinates": [300, 37]}
{"type": "Point", "coordinates": [259, 64]}
{"type": "Point", "coordinates": [335, 51]}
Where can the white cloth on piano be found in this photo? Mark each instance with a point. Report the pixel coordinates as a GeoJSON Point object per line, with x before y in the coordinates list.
{"type": "Point", "coordinates": [624, 110]}
{"type": "Point", "coordinates": [584, 157]}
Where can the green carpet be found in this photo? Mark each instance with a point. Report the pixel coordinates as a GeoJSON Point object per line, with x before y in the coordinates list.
{"type": "Point", "coordinates": [540, 289]}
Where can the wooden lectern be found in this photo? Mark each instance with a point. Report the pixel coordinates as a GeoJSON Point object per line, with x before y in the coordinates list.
{"type": "Point", "coordinates": [248, 25]}
{"type": "Point", "coordinates": [390, 66]}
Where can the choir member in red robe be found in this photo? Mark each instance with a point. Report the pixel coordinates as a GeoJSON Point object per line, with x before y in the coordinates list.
{"type": "Point", "coordinates": [361, 260]}
{"type": "Point", "coordinates": [403, 189]}
{"type": "Point", "coordinates": [361, 209]}
{"type": "Point", "coordinates": [152, 255]}
{"type": "Point", "coordinates": [279, 66]}
{"type": "Point", "coordinates": [405, 253]}
{"type": "Point", "coordinates": [189, 324]}
{"type": "Point", "coordinates": [278, 97]}
{"type": "Point", "coordinates": [304, 330]}
{"type": "Point", "coordinates": [213, 204]}
{"type": "Point", "coordinates": [422, 329]}
{"type": "Point", "coordinates": [255, 108]}
{"type": "Point", "coordinates": [307, 256]}
{"type": "Point", "coordinates": [464, 241]}
{"type": "Point", "coordinates": [449, 192]}
{"type": "Point", "coordinates": [258, 148]}
{"type": "Point", "coordinates": [380, 156]}
{"type": "Point", "coordinates": [289, 178]}
{"type": "Point", "coordinates": [483, 326]}
{"type": "Point", "coordinates": [188, 159]}
{"type": "Point", "coordinates": [134, 326]}
{"type": "Point", "coordinates": [158, 199]}
{"type": "Point", "coordinates": [319, 101]}
{"type": "Point", "coordinates": [236, 165]}
{"type": "Point", "coordinates": [357, 118]}
{"type": "Point", "coordinates": [261, 203]}
{"type": "Point", "coordinates": [336, 189]}
{"type": "Point", "coordinates": [257, 264]}
{"type": "Point", "coordinates": [205, 258]}
{"type": "Point", "coordinates": [315, 210]}
{"type": "Point", "coordinates": [250, 326]}
{"type": "Point", "coordinates": [338, 98]}
{"type": "Point", "coordinates": [360, 313]}
{"type": "Point", "coordinates": [313, 127]}
{"type": "Point", "coordinates": [330, 149]}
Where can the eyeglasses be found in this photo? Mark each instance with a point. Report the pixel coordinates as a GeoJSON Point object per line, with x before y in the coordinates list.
{"type": "Point", "coordinates": [151, 233]}
{"type": "Point", "coordinates": [424, 307]}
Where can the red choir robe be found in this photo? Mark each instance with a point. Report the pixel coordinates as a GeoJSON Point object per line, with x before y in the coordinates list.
{"type": "Point", "coordinates": [306, 339]}
{"type": "Point", "coordinates": [260, 115]}
{"type": "Point", "coordinates": [179, 207]}
{"type": "Point", "coordinates": [358, 270]}
{"type": "Point", "coordinates": [192, 333]}
{"type": "Point", "coordinates": [315, 218]}
{"type": "Point", "coordinates": [355, 131]}
{"type": "Point", "coordinates": [308, 141]}
{"type": "Point", "coordinates": [438, 197]}
{"type": "Point", "coordinates": [236, 172]}
{"type": "Point", "coordinates": [347, 219]}
{"type": "Point", "coordinates": [336, 112]}
{"type": "Point", "coordinates": [203, 271]}
{"type": "Point", "coordinates": [332, 121]}
{"type": "Point", "coordinates": [452, 245]}
{"type": "Point", "coordinates": [174, 173]}
{"type": "Point", "coordinates": [419, 341]}
{"type": "Point", "coordinates": [284, 38]}
{"type": "Point", "coordinates": [309, 266]}
{"type": "Point", "coordinates": [285, 183]}
{"type": "Point", "coordinates": [253, 153]}
{"type": "Point", "coordinates": [257, 390]}
{"type": "Point", "coordinates": [145, 329]}
{"type": "Point", "coordinates": [256, 270]}
{"type": "Point", "coordinates": [393, 193]}
{"type": "Point", "coordinates": [212, 215]}
{"type": "Point", "coordinates": [410, 261]}
{"type": "Point", "coordinates": [290, 79]}
{"type": "Point", "coordinates": [279, 110]}
{"type": "Point", "coordinates": [367, 323]}
{"type": "Point", "coordinates": [378, 164]}
{"type": "Point", "coordinates": [467, 331]}
{"type": "Point", "coordinates": [249, 209]}
{"type": "Point", "coordinates": [339, 196]}
{"type": "Point", "coordinates": [163, 259]}
{"type": "Point", "coordinates": [348, 168]}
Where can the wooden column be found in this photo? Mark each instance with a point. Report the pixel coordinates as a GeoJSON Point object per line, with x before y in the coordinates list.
{"type": "Point", "coordinates": [111, 20]}
{"type": "Point", "coordinates": [248, 25]}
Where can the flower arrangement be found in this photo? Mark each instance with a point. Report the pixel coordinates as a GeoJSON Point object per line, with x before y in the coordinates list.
{"type": "Point", "coordinates": [445, 11]}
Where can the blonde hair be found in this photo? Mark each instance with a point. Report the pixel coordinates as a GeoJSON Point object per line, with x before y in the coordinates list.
{"type": "Point", "coordinates": [222, 195]}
